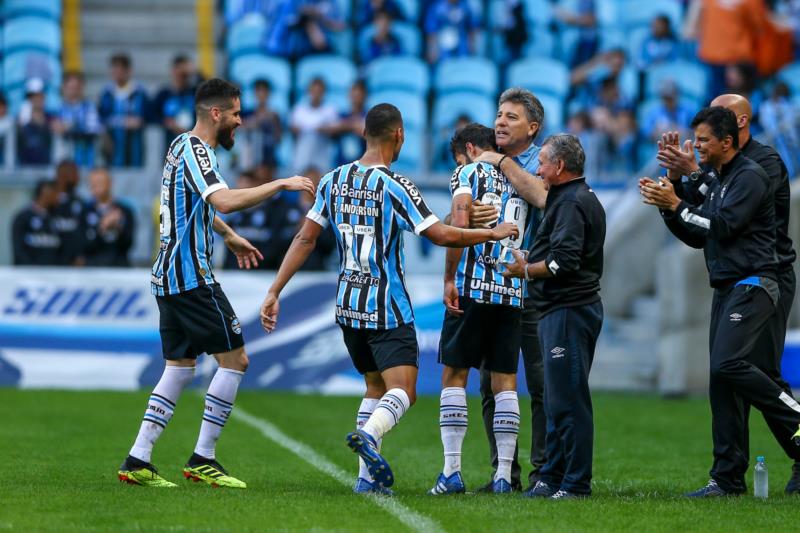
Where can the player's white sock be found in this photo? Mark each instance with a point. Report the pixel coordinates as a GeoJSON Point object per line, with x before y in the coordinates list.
{"type": "Point", "coordinates": [364, 412]}
{"type": "Point", "coordinates": [219, 404]}
{"type": "Point", "coordinates": [391, 407]}
{"type": "Point", "coordinates": [506, 429]}
{"type": "Point", "coordinates": [453, 426]}
{"type": "Point", "coordinates": [160, 407]}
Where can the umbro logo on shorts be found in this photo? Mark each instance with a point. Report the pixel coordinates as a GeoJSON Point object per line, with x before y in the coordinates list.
{"type": "Point", "coordinates": [736, 317]}
{"type": "Point", "coordinates": [558, 351]}
{"type": "Point", "coordinates": [236, 326]}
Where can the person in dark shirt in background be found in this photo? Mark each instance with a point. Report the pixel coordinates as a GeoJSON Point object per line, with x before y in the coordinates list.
{"type": "Point", "coordinates": [122, 108]}
{"type": "Point", "coordinates": [109, 224]}
{"type": "Point", "coordinates": [69, 214]}
{"type": "Point", "coordinates": [263, 125]}
{"type": "Point", "coordinates": [77, 120]}
{"type": "Point", "coordinates": [173, 106]}
{"type": "Point", "coordinates": [326, 243]}
{"type": "Point", "coordinates": [349, 130]}
{"type": "Point", "coordinates": [35, 240]}
{"type": "Point", "coordinates": [269, 226]}
{"type": "Point", "coordinates": [34, 123]}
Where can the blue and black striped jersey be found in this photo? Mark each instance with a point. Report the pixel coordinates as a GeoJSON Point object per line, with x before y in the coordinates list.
{"type": "Point", "coordinates": [369, 208]}
{"type": "Point", "coordinates": [477, 277]}
{"type": "Point", "coordinates": [191, 174]}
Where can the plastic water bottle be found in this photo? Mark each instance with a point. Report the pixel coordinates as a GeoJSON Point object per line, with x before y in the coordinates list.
{"type": "Point", "coordinates": [761, 481]}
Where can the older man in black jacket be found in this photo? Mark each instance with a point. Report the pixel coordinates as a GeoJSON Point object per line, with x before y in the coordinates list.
{"type": "Point", "coordinates": [734, 224]}
{"type": "Point", "coordinates": [565, 267]}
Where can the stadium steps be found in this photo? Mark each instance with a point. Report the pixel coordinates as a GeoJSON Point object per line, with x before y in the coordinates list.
{"type": "Point", "coordinates": [152, 32]}
{"type": "Point", "coordinates": [626, 357]}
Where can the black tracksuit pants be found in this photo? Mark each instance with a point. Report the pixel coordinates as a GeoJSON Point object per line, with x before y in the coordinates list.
{"type": "Point", "coordinates": [568, 337]}
{"type": "Point", "coordinates": [534, 380]}
{"type": "Point", "coordinates": [744, 329]}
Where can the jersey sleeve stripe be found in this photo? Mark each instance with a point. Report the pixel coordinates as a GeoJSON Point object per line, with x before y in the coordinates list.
{"type": "Point", "coordinates": [319, 219]}
{"type": "Point", "coordinates": [462, 190]}
{"type": "Point", "coordinates": [425, 224]}
{"type": "Point", "coordinates": [213, 188]}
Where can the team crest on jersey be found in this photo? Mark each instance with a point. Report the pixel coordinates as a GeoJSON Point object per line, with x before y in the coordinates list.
{"type": "Point", "coordinates": [201, 154]}
{"type": "Point", "coordinates": [236, 326]}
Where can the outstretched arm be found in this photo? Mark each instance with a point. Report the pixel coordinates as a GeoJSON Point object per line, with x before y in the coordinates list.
{"type": "Point", "coordinates": [230, 200]}
{"type": "Point", "coordinates": [530, 187]}
{"type": "Point", "coordinates": [451, 237]}
{"type": "Point", "coordinates": [302, 245]}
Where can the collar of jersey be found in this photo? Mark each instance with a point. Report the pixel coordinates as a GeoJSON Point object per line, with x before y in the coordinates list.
{"type": "Point", "coordinates": [525, 157]}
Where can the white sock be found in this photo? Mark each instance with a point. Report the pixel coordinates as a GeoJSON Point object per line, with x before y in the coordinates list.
{"type": "Point", "coordinates": [506, 429]}
{"type": "Point", "coordinates": [453, 426]}
{"type": "Point", "coordinates": [160, 407]}
{"type": "Point", "coordinates": [391, 407]}
{"type": "Point", "coordinates": [219, 404]}
{"type": "Point", "coordinates": [364, 412]}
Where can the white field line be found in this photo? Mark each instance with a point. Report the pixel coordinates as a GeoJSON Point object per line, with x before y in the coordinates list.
{"type": "Point", "coordinates": [410, 518]}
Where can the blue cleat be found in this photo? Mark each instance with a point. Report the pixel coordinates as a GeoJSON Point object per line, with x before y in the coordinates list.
{"type": "Point", "coordinates": [361, 443]}
{"type": "Point", "coordinates": [452, 484]}
{"type": "Point", "coordinates": [502, 486]}
{"type": "Point", "coordinates": [711, 490]}
{"type": "Point", "coordinates": [364, 486]}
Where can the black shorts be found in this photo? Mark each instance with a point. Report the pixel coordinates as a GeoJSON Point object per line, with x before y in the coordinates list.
{"type": "Point", "coordinates": [198, 321]}
{"type": "Point", "coordinates": [376, 350]}
{"type": "Point", "coordinates": [486, 334]}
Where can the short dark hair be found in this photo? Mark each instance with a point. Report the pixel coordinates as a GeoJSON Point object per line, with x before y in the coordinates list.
{"type": "Point", "coordinates": [567, 148]}
{"type": "Point", "coordinates": [179, 59]}
{"type": "Point", "coordinates": [534, 111]}
{"type": "Point", "coordinates": [77, 74]}
{"type": "Point", "coordinates": [121, 59]}
{"type": "Point", "coordinates": [262, 82]}
{"type": "Point", "coordinates": [40, 186]}
{"type": "Point", "coordinates": [382, 120]}
{"type": "Point", "coordinates": [722, 122]}
{"type": "Point", "coordinates": [215, 92]}
{"type": "Point", "coordinates": [477, 134]}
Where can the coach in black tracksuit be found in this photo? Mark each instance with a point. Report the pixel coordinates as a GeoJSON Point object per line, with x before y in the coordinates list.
{"type": "Point", "coordinates": [735, 226]}
{"type": "Point", "coordinates": [566, 264]}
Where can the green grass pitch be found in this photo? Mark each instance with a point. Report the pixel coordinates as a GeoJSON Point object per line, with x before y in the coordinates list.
{"type": "Point", "coordinates": [60, 452]}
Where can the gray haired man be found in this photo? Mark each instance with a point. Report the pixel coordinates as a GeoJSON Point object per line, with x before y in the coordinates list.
{"type": "Point", "coordinates": [519, 119]}
{"type": "Point", "coordinates": [565, 266]}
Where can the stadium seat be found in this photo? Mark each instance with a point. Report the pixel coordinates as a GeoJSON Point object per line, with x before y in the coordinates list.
{"type": "Point", "coordinates": [466, 74]}
{"type": "Point", "coordinates": [408, 34]}
{"type": "Point", "coordinates": [41, 8]}
{"type": "Point", "coordinates": [33, 33]}
{"type": "Point", "coordinates": [410, 105]}
{"type": "Point", "coordinates": [245, 35]}
{"type": "Point", "coordinates": [447, 108]}
{"type": "Point", "coordinates": [411, 9]}
{"type": "Point", "coordinates": [790, 75]}
{"type": "Point", "coordinates": [540, 75]}
{"type": "Point", "coordinates": [342, 42]}
{"type": "Point", "coordinates": [338, 72]}
{"type": "Point", "coordinates": [24, 64]}
{"type": "Point", "coordinates": [541, 43]}
{"type": "Point", "coordinates": [538, 11]}
{"type": "Point", "coordinates": [345, 8]}
{"type": "Point", "coordinates": [629, 14]}
{"type": "Point", "coordinates": [248, 68]}
{"type": "Point", "coordinates": [690, 77]}
{"type": "Point", "coordinates": [613, 38]}
{"type": "Point", "coordinates": [553, 115]}
{"type": "Point", "coordinates": [410, 161]}
{"type": "Point", "coordinates": [402, 73]}
{"type": "Point", "coordinates": [629, 83]}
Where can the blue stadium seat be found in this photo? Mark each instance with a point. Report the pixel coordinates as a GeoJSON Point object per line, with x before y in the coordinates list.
{"type": "Point", "coordinates": [538, 11]}
{"type": "Point", "coordinates": [24, 64]}
{"type": "Point", "coordinates": [248, 68]}
{"type": "Point", "coordinates": [345, 9]}
{"type": "Point", "coordinates": [410, 9]}
{"type": "Point", "coordinates": [408, 34]}
{"type": "Point", "coordinates": [553, 115]}
{"type": "Point", "coordinates": [632, 13]}
{"type": "Point", "coordinates": [410, 161]}
{"type": "Point", "coordinates": [34, 33]}
{"type": "Point", "coordinates": [790, 75]}
{"type": "Point", "coordinates": [42, 8]}
{"type": "Point", "coordinates": [245, 35]}
{"type": "Point", "coordinates": [447, 108]}
{"type": "Point", "coordinates": [690, 77]}
{"type": "Point", "coordinates": [342, 42]}
{"type": "Point", "coordinates": [410, 105]}
{"type": "Point", "coordinates": [612, 38]}
{"type": "Point", "coordinates": [403, 73]}
{"type": "Point", "coordinates": [466, 74]}
{"type": "Point", "coordinates": [628, 81]}
{"type": "Point", "coordinates": [338, 72]}
{"type": "Point", "coordinates": [540, 75]}
{"type": "Point", "coordinates": [541, 43]}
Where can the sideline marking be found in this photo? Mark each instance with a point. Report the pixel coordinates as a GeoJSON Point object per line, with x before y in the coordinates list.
{"type": "Point", "coordinates": [410, 518]}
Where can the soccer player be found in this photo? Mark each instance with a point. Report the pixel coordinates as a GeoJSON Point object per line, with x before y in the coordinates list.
{"type": "Point", "coordinates": [482, 327]}
{"type": "Point", "coordinates": [195, 315]}
{"type": "Point", "coordinates": [368, 206]}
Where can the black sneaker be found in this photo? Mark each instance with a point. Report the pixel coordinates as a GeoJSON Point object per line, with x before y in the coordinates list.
{"type": "Point", "coordinates": [793, 486]}
{"type": "Point", "coordinates": [711, 490]}
{"type": "Point", "coordinates": [567, 495]}
{"type": "Point", "coordinates": [540, 490]}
